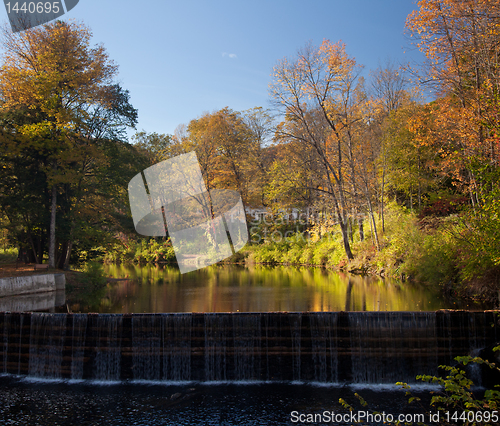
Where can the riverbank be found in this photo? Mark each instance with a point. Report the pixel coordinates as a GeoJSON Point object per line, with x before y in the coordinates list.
{"type": "Point", "coordinates": [454, 253]}
{"type": "Point", "coordinates": [442, 252]}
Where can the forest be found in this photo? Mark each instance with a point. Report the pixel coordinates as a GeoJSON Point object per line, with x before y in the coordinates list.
{"type": "Point", "coordinates": [393, 171]}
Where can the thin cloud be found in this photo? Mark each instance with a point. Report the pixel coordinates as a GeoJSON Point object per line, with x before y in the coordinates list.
{"type": "Point", "coordinates": [231, 55]}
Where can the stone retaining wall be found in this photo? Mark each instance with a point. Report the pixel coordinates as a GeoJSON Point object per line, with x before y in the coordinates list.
{"type": "Point", "coordinates": [14, 286]}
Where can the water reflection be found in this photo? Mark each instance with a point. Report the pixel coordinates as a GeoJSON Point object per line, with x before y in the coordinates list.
{"type": "Point", "coordinates": [231, 288]}
{"type": "Point", "coordinates": [44, 301]}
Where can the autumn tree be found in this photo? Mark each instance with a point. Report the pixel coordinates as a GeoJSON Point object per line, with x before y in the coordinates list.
{"type": "Point", "coordinates": [320, 95]}
{"type": "Point", "coordinates": [229, 147]}
{"type": "Point", "coordinates": [155, 146]}
{"type": "Point", "coordinates": [292, 175]}
{"type": "Point", "coordinates": [389, 92]}
{"type": "Point", "coordinates": [62, 114]}
{"type": "Point", "coordinates": [413, 165]}
{"type": "Point", "coordinates": [260, 126]}
{"type": "Point", "coordinates": [461, 42]}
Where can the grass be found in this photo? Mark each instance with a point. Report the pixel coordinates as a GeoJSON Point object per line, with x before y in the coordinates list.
{"type": "Point", "coordinates": [8, 255]}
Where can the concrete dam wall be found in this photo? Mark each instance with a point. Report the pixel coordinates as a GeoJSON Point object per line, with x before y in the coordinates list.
{"type": "Point", "coordinates": [30, 284]}
{"type": "Point", "coordinates": [330, 347]}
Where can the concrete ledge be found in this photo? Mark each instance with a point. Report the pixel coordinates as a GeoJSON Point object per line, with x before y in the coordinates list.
{"type": "Point", "coordinates": [32, 284]}
{"type": "Point", "coordinates": [60, 280]}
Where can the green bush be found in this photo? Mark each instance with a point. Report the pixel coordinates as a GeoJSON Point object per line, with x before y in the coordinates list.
{"type": "Point", "coordinates": [143, 251]}
{"type": "Point", "coordinates": [8, 255]}
{"type": "Point", "coordinates": [457, 397]}
{"type": "Point", "coordinates": [93, 276]}
{"type": "Point", "coordinates": [324, 249]}
{"type": "Point", "coordinates": [434, 260]}
{"type": "Point", "coordinates": [294, 254]}
{"type": "Point", "coordinates": [480, 239]}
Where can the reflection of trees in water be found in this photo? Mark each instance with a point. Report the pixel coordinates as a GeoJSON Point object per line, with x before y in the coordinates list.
{"type": "Point", "coordinates": [348, 295]}
{"type": "Point", "coordinates": [225, 288]}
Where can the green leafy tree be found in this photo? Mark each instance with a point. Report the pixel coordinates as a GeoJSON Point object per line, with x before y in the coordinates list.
{"type": "Point", "coordinates": [62, 115]}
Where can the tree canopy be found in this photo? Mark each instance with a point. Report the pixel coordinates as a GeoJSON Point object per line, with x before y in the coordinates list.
{"type": "Point", "coordinates": [63, 121]}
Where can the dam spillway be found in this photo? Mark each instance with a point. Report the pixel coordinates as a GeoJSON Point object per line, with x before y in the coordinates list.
{"type": "Point", "coordinates": [325, 347]}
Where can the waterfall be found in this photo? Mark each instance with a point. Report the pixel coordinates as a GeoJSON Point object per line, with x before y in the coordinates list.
{"type": "Point", "coordinates": [392, 346]}
{"type": "Point", "coordinates": [329, 347]}
{"type": "Point", "coordinates": [6, 332]}
{"type": "Point", "coordinates": [107, 353]}
{"type": "Point", "coordinates": [47, 333]}
{"type": "Point", "coordinates": [78, 331]}
{"type": "Point", "coordinates": [324, 342]}
{"type": "Point", "coordinates": [295, 334]}
{"type": "Point", "coordinates": [21, 321]}
{"type": "Point", "coordinates": [247, 346]}
{"type": "Point", "coordinates": [216, 345]}
{"type": "Point", "coordinates": [177, 347]}
{"type": "Point", "coordinates": [146, 341]}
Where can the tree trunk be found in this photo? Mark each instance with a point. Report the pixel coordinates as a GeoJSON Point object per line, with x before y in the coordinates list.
{"type": "Point", "coordinates": [40, 248]}
{"type": "Point", "coordinates": [350, 225]}
{"type": "Point", "coordinates": [33, 248]}
{"type": "Point", "coordinates": [68, 255]}
{"type": "Point", "coordinates": [375, 233]}
{"type": "Point", "coordinates": [52, 239]}
{"type": "Point", "coordinates": [69, 246]}
{"type": "Point", "coordinates": [382, 216]}
{"type": "Point", "coordinates": [61, 259]}
{"type": "Point", "coordinates": [345, 238]}
{"type": "Point", "coordinates": [361, 230]}
{"type": "Point", "coordinates": [419, 186]}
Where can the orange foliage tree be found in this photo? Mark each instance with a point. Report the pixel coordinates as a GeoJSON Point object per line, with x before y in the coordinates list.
{"type": "Point", "coordinates": [461, 42]}
{"type": "Point", "coordinates": [321, 95]}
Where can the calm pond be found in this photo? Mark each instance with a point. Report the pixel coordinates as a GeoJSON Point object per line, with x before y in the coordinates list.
{"type": "Point", "coordinates": [233, 288]}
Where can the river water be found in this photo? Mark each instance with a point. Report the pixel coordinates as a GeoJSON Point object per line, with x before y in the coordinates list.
{"type": "Point", "coordinates": [232, 288]}
{"type": "Point", "coordinates": [28, 402]}
{"type": "Point", "coordinates": [162, 289]}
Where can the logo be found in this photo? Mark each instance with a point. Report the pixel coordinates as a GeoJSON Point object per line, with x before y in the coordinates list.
{"type": "Point", "coordinates": [28, 14]}
{"type": "Point", "coordinates": [205, 227]}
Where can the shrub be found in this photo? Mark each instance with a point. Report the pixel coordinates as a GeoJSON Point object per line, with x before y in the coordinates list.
{"type": "Point", "coordinates": [8, 255]}
{"type": "Point", "coordinates": [93, 276]}
{"type": "Point", "coordinates": [456, 395]}
{"type": "Point", "coordinates": [143, 251]}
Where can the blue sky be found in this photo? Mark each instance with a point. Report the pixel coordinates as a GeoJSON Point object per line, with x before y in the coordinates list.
{"type": "Point", "coordinates": [181, 59]}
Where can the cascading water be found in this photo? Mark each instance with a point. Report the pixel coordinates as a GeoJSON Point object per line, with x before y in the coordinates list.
{"type": "Point", "coordinates": [146, 341]}
{"type": "Point", "coordinates": [107, 349]}
{"type": "Point", "coordinates": [79, 331]}
{"type": "Point", "coordinates": [331, 347]}
{"type": "Point", "coordinates": [216, 346]}
{"type": "Point", "coordinates": [392, 347]}
{"type": "Point", "coordinates": [47, 334]}
{"type": "Point", "coordinates": [247, 346]}
{"type": "Point", "coordinates": [177, 347]}
{"type": "Point", "coordinates": [161, 347]}
{"type": "Point", "coordinates": [324, 341]}
{"type": "Point", "coordinates": [6, 334]}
